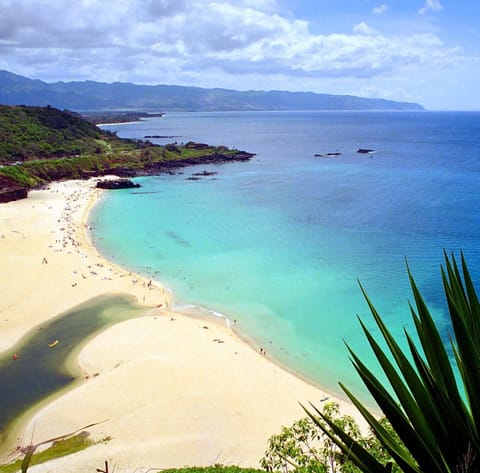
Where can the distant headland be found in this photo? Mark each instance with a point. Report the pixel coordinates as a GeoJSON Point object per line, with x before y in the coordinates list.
{"type": "Point", "coordinates": [44, 144]}
{"type": "Point", "coordinates": [90, 95]}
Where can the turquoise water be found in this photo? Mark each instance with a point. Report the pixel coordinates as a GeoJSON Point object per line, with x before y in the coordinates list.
{"type": "Point", "coordinates": [278, 243]}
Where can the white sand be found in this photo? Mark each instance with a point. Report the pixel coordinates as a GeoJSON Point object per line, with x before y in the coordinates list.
{"type": "Point", "coordinates": [170, 393]}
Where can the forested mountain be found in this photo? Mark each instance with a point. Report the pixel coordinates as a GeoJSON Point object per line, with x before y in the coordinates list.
{"type": "Point", "coordinates": [90, 95]}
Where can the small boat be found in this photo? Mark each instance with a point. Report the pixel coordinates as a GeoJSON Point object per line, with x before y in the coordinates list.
{"type": "Point", "coordinates": [53, 344]}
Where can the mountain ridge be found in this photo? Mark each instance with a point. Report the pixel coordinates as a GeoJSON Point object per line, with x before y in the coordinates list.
{"type": "Point", "coordinates": [92, 95]}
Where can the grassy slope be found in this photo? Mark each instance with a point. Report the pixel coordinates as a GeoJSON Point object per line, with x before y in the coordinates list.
{"type": "Point", "coordinates": [58, 449]}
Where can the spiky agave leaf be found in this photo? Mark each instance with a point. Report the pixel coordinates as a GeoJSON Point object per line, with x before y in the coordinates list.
{"type": "Point", "coordinates": [465, 315]}
{"type": "Point", "coordinates": [430, 415]}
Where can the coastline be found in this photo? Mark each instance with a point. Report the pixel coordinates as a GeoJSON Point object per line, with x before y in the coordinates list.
{"type": "Point", "coordinates": [175, 389]}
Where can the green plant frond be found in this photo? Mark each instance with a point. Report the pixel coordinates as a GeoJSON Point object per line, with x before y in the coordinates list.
{"type": "Point", "coordinates": [432, 345]}
{"type": "Point", "coordinates": [457, 300]}
{"type": "Point", "coordinates": [452, 431]}
{"type": "Point", "coordinates": [473, 299]}
{"type": "Point", "coordinates": [398, 451]}
{"type": "Point", "coordinates": [474, 421]}
{"type": "Point", "coordinates": [446, 384]}
{"type": "Point", "coordinates": [422, 406]}
{"type": "Point", "coordinates": [471, 317]}
{"type": "Point", "coordinates": [455, 279]}
{"type": "Point", "coordinates": [415, 406]}
{"type": "Point", "coordinates": [450, 400]}
{"type": "Point", "coordinates": [28, 458]}
{"type": "Point", "coordinates": [420, 446]}
{"type": "Point", "coordinates": [400, 358]}
{"type": "Point", "coordinates": [461, 302]}
{"type": "Point", "coordinates": [350, 447]}
{"type": "Point", "coordinates": [468, 348]}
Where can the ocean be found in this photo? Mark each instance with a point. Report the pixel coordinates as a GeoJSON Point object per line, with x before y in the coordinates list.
{"type": "Point", "coordinates": [279, 244]}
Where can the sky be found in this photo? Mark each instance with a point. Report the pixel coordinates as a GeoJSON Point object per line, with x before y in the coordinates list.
{"type": "Point", "coordinates": [424, 51]}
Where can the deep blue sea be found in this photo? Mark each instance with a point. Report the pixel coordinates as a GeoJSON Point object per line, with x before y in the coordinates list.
{"type": "Point", "coordinates": [278, 243]}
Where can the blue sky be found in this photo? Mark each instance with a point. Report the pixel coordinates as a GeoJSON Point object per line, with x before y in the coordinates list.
{"type": "Point", "coordinates": [425, 51]}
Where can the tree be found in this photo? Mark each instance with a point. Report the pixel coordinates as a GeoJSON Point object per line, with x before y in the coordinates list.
{"type": "Point", "coordinates": [303, 448]}
{"type": "Point", "coordinates": [436, 417]}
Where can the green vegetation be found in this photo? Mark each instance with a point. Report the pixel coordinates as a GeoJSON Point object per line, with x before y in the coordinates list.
{"type": "Point", "coordinates": [39, 145]}
{"type": "Point", "coordinates": [58, 449]}
{"type": "Point", "coordinates": [303, 448]}
{"type": "Point", "coordinates": [434, 411]}
{"type": "Point", "coordinates": [117, 117]}
{"type": "Point", "coordinates": [81, 441]}
{"type": "Point", "coordinates": [212, 469]}
{"type": "Point", "coordinates": [35, 132]}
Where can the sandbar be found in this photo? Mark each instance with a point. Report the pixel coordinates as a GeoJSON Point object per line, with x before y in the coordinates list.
{"type": "Point", "coordinates": [172, 389]}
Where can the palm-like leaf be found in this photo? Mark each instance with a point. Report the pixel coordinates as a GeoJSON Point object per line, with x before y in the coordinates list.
{"type": "Point", "coordinates": [436, 417]}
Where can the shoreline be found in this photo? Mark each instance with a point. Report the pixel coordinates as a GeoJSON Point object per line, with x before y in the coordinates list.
{"type": "Point", "coordinates": [176, 389]}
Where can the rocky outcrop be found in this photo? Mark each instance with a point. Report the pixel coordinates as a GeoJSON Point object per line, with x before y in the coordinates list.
{"type": "Point", "coordinates": [9, 194]}
{"type": "Point", "coordinates": [365, 151]}
{"type": "Point", "coordinates": [117, 184]}
{"type": "Point", "coordinates": [10, 190]}
{"type": "Point", "coordinates": [215, 158]}
{"type": "Point", "coordinates": [194, 145]}
{"type": "Point", "coordinates": [205, 173]}
{"type": "Point", "coordinates": [334, 154]}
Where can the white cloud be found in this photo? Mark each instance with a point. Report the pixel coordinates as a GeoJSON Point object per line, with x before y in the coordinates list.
{"type": "Point", "coordinates": [199, 42]}
{"type": "Point", "coordinates": [262, 5]}
{"type": "Point", "coordinates": [386, 91]}
{"type": "Point", "coordinates": [380, 9]}
{"type": "Point", "coordinates": [363, 28]}
{"type": "Point", "coordinates": [430, 5]}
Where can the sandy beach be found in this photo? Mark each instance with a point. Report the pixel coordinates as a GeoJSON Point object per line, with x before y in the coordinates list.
{"type": "Point", "coordinates": [173, 390]}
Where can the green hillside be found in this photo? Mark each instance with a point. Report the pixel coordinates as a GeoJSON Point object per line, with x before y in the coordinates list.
{"type": "Point", "coordinates": [39, 145]}
{"type": "Point", "coordinates": [45, 132]}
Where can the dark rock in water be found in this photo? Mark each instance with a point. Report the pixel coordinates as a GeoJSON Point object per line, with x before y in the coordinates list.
{"type": "Point", "coordinates": [162, 136]}
{"type": "Point", "coordinates": [117, 184]}
{"type": "Point", "coordinates": [192, 178]}
{"type": "Point", "coordinates": [205, 173]}
{"type": "Point", "coordinates": [365, 151]}
{"type": "Point", "coordinates": [329, 155]}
